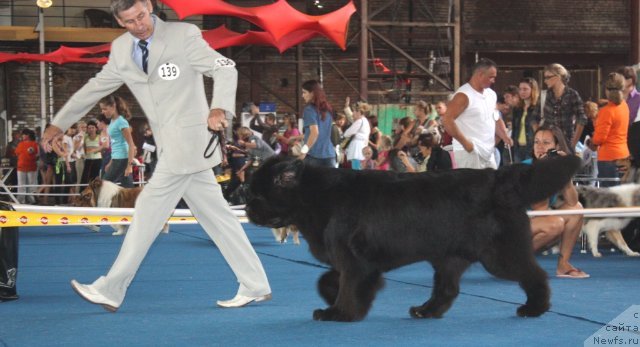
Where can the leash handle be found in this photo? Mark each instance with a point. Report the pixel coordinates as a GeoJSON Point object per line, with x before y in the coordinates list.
{"type": "Point", "coordinates": [215, 135]}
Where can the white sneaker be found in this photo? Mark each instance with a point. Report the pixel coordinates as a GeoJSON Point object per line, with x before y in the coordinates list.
{"type": "Point", "coordinates": [241, 300]}
{"type": "Point", "coordinates": [90, 294]}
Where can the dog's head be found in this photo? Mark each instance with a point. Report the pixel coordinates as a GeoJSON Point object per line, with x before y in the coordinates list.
{"type": "Point", "coordinates": [89, 196]}
{"type": "Point", "coordinates": [274, 192]}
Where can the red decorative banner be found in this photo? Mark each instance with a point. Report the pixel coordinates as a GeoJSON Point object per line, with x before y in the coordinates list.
{"type": "Point", "coordinates": [278, 19]}
{"type": "Point", "coordinates": [223, 37]}
{"type": "Point", "coordinates": [283, 25]}
{"type": "Point", "coordinates": [62, 55]}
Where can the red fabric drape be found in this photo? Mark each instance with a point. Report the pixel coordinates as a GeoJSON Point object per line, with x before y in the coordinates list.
{"type": "Point", "coordinates": [283, 25]}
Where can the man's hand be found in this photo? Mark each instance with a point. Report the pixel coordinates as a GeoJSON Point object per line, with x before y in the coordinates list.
{"type": "Point", "coordinates": [508, 141]}
{"type": "Point", "coordinates": [468, 146]}
{"type": "Point", "coordinates": [255, 109]}
{"type": "Point", "coordinates": [50, 134]}
{"type": "Point", "coordinates": [217, 120]}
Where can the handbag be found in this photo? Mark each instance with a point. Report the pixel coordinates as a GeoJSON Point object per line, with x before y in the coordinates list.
{"type": "Point", "coordinates": [347, 140]}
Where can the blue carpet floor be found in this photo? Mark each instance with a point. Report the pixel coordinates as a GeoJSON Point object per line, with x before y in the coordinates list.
{"type": "Point", "coordinates": [172, 300]}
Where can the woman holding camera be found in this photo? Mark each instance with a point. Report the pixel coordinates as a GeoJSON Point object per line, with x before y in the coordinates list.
{"type": "Point", "coordinates": [549, 141]}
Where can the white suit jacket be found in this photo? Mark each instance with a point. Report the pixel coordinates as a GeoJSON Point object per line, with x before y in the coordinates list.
{"type": "Point", "coordinates": [171, 94]}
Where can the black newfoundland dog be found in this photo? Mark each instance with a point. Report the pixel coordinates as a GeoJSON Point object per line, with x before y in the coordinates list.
{"type": "Point", "coordinates": [363, 223]}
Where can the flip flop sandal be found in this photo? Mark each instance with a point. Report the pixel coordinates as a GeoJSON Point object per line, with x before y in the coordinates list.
{"type": "Point", "coordinates": [574, 273]}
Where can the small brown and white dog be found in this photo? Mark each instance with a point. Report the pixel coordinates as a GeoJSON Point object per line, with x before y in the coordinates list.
{"type": "Point", "coordinates": [625, 195]}
{"type": "Point", "coordinates": [102, 193]}
{"type": "Point", "coordinates": [281, 234]}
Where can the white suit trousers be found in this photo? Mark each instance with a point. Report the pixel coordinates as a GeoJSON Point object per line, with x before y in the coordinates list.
{"type": "Point", "coordinates": [156, 204]}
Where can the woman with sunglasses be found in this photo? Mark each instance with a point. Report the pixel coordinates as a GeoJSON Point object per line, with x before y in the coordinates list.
{"type": "Point", "coordinates": [562, 105]}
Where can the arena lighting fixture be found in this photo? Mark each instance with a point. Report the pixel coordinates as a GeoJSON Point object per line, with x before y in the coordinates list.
{"type": "Point", "coordinates": [317, 4]}
{"type": "Point", "coordinates": [44, 3]}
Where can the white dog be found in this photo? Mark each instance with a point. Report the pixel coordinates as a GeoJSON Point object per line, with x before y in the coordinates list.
{"type": "Point", "coordinates": [625, 195]}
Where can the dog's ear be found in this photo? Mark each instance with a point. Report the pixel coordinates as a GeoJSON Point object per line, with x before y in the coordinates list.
{"type": "Point", "coordinates": [95, 183]}
{"type": "Point", "coordinates": [288, 173]}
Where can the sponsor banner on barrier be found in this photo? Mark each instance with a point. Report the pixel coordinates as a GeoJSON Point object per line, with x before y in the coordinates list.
{"type": "Point", "coordinates": [31, 219]}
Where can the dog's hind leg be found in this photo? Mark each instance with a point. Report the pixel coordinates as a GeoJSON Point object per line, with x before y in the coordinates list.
{"type": "Point", "coordinates": [615, 236]}
{"type": "Point", "coordinates": [296, 235]}
{"type": "Point", "coordinates": [328, 286]}
{"type": "Point", "coordinates": [592, 230]}
{"type": "Point", "coordinates": [119, 229]}
{"type": "Point", "coordinates": [535, 284]}
{"type": "Point", "coordinates": [278, 234]}
{"type": "Point", "coordinates": [511, 261]}
{"type": "Point", "coordinates": [446, 286]}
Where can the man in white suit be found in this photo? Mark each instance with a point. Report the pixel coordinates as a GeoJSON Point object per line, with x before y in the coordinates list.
{"type": "Point", "coordinates": [163, 65]}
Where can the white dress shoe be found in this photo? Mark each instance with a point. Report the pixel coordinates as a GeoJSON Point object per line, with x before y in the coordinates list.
{"type": "Point", "coordinates": [241, 300]}
{"type": "Point", "coordinates": [89, 293]}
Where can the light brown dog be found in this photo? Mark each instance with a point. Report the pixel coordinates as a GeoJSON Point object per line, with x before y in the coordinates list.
{"type": "Point", "coordinates": [100, 193]}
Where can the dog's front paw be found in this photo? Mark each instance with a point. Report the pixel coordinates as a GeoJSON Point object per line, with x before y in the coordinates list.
{"type": "Point", "coordinates": [633, 254]}
{"type": "Point", "coordinates": [423, 312]}
{"type": "Point", "coordinates": [597, 254]}
{"type": "Point", "coordinates": [331, 314]}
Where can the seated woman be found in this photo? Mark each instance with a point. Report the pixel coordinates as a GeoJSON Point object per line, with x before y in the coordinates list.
{"type": "Point", "coordinates": [549, 141]}
{"type": "Point", "coordinates": [431, 157]}
{"type": "Point", "coordinates": [400, 161]}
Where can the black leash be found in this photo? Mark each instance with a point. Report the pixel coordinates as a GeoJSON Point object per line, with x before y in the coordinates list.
{"type": "Point", "coordinates": [219, 134]}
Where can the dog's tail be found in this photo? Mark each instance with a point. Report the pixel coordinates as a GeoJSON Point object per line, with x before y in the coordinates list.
{"type": "Point", "coordinates": [536, 182]}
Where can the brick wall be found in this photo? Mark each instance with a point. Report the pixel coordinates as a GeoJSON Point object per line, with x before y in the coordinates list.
{"type": "Point", "coordinates": [547, 25]}
{"type": "Point", "coordinates": [571, 32]}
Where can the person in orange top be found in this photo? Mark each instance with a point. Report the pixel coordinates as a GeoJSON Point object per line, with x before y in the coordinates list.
{"type": "Point", "coordinates": [27, 153]}
{"type": "Point", "coordinates": [610, 134]}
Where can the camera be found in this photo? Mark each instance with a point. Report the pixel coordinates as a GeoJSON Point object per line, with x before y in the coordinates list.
{"type": "Point", "coordinates": [552, 153]}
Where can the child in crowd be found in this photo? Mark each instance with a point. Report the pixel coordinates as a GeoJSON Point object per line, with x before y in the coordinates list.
{"type": "Point", "coordinates": [368, 163]}
{"type": "Point", "coordinates": [382, 163]}
{"type": "Point", "coordinates": [27, 153]}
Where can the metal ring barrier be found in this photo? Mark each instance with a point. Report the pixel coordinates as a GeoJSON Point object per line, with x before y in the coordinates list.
{"type": "Point", "coordinates": [601, 179]}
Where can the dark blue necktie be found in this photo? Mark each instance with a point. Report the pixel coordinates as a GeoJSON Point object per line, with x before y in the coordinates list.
{"type": "Point", "coordinates": [145, 54]}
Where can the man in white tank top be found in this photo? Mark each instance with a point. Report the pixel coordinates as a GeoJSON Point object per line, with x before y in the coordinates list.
{"type": "Point", "coordinates": [470, 119]}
